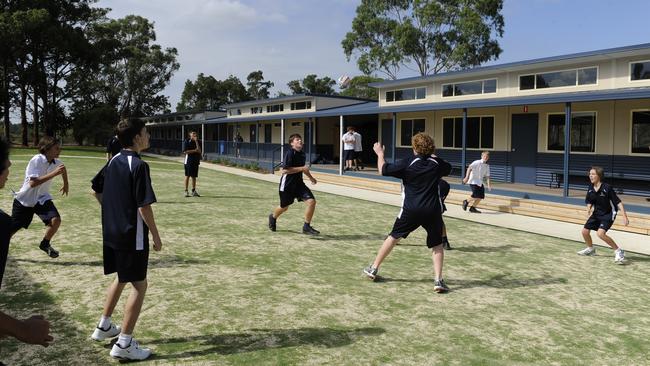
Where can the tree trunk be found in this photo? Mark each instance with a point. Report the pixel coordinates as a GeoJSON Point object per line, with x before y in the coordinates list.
{"type": "Point", "coordinates": [35, 115]}
{"type": "Point", "coordinates": [5, 90]}
{"type": "Point", "coordinates": [23, 113]}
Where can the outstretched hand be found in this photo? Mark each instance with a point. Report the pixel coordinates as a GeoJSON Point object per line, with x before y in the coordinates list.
{"type": "Point", "coordinates": [378, 148]}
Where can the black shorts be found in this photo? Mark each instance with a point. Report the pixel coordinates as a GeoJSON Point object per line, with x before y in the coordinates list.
{"type": "Point", "coordinates": [478, 191]}
{"type": "Point", "coordinates": [348, 155]}
{"type": "Point", "coordinates": [597, 223]}
{"type": "Point", "coordinates": [21, 216]}
{"type": "Point", "coordinates": [301, 193]}
{"type": "Point", "coordinates": [430, 221]}
{"type": "Point", "coordinates": [443, 192]}
{"type": "Point", "coordinates": [357, 155]}
{"type": "Point", "coordinates": [192, 170]}
{"type": "Point", "coordinates": [130, 265]}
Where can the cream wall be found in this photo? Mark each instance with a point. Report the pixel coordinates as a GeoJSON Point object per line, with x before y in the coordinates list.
{"type": "Point", "coordinates": [324, 102]}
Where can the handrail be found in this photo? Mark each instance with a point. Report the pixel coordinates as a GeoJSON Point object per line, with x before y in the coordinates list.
{"type": "Point", "coordinates": [273, 165]}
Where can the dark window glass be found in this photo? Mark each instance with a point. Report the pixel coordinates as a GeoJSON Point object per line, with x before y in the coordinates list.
{"type": "Point", "coordinates": [473, 132]}
{"type": "Point", "coordinates": [407, 132]}
{"type": "Point", "coordinates": [556, 132]}
{"type": "Point", "coordinates": [418, 126]}
{"type": "Point", "coordinates": [252, 131]}
{"type": "Point", "coordinates": [583, 127]}
{"type": "Point", "coordinates": [390, 96]}
{"type": "Point", "coordinates": [448, 132]}
{"type": "Point", "coordinates": [556, 79]}
{"type": "Point", "coordinates": [399, 95]}
{"type": "Point", "coordinates": [640, 70]}
{"type": "Point", "coordinates": [420, 93]}
{"type": "Point", "coordinates": [527, 82]}
{"type": "Point", "coordinates": [641, 132]}
{"type": "Point", "coordinates": [268, 133]}
{"type": "Point", "coordinates": [487, 132]}
{"type": "Point", "coordinates": [300, 105]}
{"type": "Point", "coordinates": [587, 76]}
{"type": "Point", "coordinates": [490, 86]}
{"type": "Point", "coordinates": [458, 132]}
{"type": "Point", "coordinates": [448, 90]}
{"type": "Point", "coordinates": [468, 88]}
{"type": "Point", "coordinates": [406, 94]}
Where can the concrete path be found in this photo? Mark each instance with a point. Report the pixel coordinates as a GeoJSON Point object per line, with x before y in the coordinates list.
{"type": "Point", "coordinates": [636, 243]}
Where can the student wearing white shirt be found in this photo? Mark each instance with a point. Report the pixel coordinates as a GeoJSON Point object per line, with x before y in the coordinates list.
{"type": "Point", "coordinates": [34, 196]}
{"type": "Point", "coordinates": [358, 149]}
{"type": "Point", "coordinates": [348, 148]}
{"type": "Point", "coordinates": [477, 171]}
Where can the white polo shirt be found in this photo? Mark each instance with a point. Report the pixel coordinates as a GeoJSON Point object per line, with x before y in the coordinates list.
{"type": "Point", "coordinates": [357, 142]}
{"type": "Point", "coordinates": [348, 141]}
{"type": "Point", "coordinates": [480, 170]}
{"type": "Point", "coordinates": [38, 166]}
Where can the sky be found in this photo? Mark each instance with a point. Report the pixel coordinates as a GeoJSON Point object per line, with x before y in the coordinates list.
{"type": "Point", "coordinates": [289, 39]}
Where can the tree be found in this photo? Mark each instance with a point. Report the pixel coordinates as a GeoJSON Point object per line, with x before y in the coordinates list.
{"type": "Point", "coordinates": [359, 88]}
{"type": "Point", "coordinates": [312, 84]}
{"type": "Point", "coordinates": [433, 35]}
{"type": "Point", "coordinates": [208, 93]}
{"type": "Point", "coordinates": [257, 87]}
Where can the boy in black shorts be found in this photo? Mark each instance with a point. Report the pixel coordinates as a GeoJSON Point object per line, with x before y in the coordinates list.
{"type": "Point", "coordinates": [34, 196]}
{"type": "Point", "coordinates": [192, 150]}
{"type": "Point", "coordinates": [127, 218]}
{"type": "Point", "coordinates": [292, 186]}
{"type": "Point", "coordinates": [421, 202]}
{"type": "Point", "coordinates": [443, 192]}
{"type": "Point", "coordinates": [602, 207]}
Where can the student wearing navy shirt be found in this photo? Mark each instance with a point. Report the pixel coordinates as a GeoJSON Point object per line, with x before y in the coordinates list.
{"type": "Point", "coordinates": [192, 150]}
{"type": "Point", "coordinates": [292, 186]}
{"type": "Point", "coordinates": [33, 330]}
{"type": "Point", "coordinates": [127, 219]}
{"type": "Point", "coordinates": [422, 204]}
{"type": "Point", "coordinates": [443, 192]}
{"type": "Point", "coordinates": [602, 207]}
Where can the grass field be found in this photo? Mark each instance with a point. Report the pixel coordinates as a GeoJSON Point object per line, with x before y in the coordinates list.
{"type": "Point", "coordinates": [225, 290]}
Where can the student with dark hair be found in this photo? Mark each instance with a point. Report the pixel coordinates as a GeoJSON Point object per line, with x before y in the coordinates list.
{"type": "Point", "coordinates": [192, 150]}
{"type": "Point", "coordinates": [113, 147]}
{"type": "Point", "coordinates": [127, 218]}
{"type": "Point", "coordinates": [421, 205]}
{"type": "Point", "coordinates": [35, 329]}
{"type": "Point", "coordinates": [602, 206]}
{"type": "Point", "coordinates": [292, 186]}
{"type": "Point", "coordinates": [34, 196]}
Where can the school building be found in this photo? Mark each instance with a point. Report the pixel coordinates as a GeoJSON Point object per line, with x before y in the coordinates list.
{"type": "Point", "coordinates": [544, 121]}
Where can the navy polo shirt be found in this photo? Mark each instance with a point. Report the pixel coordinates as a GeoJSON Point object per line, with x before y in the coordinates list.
{"type": "Point", "coordinates": [292, 159]}
{"type": "Point", "coordinates": [420, 176]}
{"type": "Point", "coordinates": [5, 237]}
{"type": "Point", "coordinates": [113, 146]}
{"type": "Point", "coordinates": [604, 201]}
{"type": "Point", "coordinates": [127, 186]}
{"type": "Point", "coordinates": [193, 158]}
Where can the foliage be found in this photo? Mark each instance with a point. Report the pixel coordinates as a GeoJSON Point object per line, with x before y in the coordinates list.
{"type": "Point", "coordinates": [257, 87]}
{"type": "Point", "coordinates": [432, 35]}
{"type": "Point", "coordinates": [208, 93]}
{"type": "Point", "coordinates": [359, 88]}
{"type": "Point", "coordinates": [312, 84]}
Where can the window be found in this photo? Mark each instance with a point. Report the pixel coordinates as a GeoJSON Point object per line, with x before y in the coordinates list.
{"type": "Point", "coordinates": [406, 94]}
{"type": "Point", "coordinates": [583, 132]}
{"type": "Point", "coordinates": [480, 132]}
{"type": "Point", "coordinates": [252, 133]}
{"type": "Point", "coordinates": [275, 108]}
{"type": "Point", "coordinates": [470, 88]}
{"type": "Point", "coordinates": [640, 70]}
{"type": "Point", "coordinates": [641, 132]}
{"type": "Point", "coordinates": [234, 112]}
{"type": "Point", "coordinates": [268, 133]}
{"type": "Point", "coordinates": [410, 127]}
{"type": "Point", "coordinates": [586, 76]}
{"type": "Point", "coordinates": [300, 105]}
{"type": "Point", "coordinates": [256, 110]}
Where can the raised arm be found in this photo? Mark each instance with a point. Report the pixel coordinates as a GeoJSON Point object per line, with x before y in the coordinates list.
{"type": "Point", "coordinates": [379, 149]}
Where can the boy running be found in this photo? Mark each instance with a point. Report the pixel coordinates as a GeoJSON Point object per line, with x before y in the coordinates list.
{"type": "Point", "coordinates": [421, 202]}
{"type": "Point", "coordinates": [477, 171]}
{"type": "Point", "coordinates": [127, 218]}
{"type": "Point", "coordinates": [192, 150]}
{"type": "Point", "coordinates": [34, 196]}
{"type": "Point", "coordinates": [602, 207]}
{"type": "Point", "coordinates": [292, 186]}
{"type": "Point", "coordinates": [444, 192]}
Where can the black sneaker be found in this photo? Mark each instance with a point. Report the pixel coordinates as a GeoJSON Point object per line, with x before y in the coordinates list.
{"type": "Point", "coordinates": [474, 210]}
{"type": "Point", "coordinates": [187, 194]}
{"type": "Point", "coordinates": [307, 229]}
{"type": "Point", "coordinates": [371, 272]}
{"type": "Point", "coordinates": [53, 253]}
{"type": "Point", "coordinates": [440, 286]}
{"type": "Point", "coordinates": [195, 194]}
{"type": "Point", "coordinates": [465, 203]}
{"type": "Point", "coordinates": [272, 222]}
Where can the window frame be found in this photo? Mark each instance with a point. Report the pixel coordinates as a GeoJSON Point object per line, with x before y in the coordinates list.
{"type": "Point", "coordinates": [415, 89]}
{"type": "Point", "coordinates": [412, 125]}
{"type": "Point", "coordinates": [629, 70]}
{"type": "Point", "coordinates": [576, 85]}
{"type": "Point", "coordinates": [293, 105]}
{"type": "Point", "coordinates": [595, 139]}
{"type": "Point", "coordinates": [482, 81]}
{"type": "Point", "coordinates": [630, 152]}
{"type": "Point", "coordinates": [494, 129]}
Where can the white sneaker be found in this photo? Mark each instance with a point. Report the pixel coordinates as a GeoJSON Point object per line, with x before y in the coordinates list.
{"type": "Point", "coordinates": [588, 251]}
{"type": "Point", "coordinates": [100, 334]}
{"type": "Point", "coordinates": [132, 352]}
{"type": "Point", "coordinates": [619, 256]}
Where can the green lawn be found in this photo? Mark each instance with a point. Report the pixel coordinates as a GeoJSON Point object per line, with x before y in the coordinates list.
{"type": "Point", "coordinates": [225, 290]}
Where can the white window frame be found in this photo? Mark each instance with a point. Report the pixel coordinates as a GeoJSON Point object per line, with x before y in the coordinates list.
{"type": "Point", "coordinates": [399, 128]}
{"type": "Point", "coordinates": [595, 152]}
{"type": "Point", "coordinates": [559, 87]}
{"type": "Point", "coordinates": [442, 87]}
{"type": "Point", "coordinates": [629, 72]}
{"type": "Point", "coordinates": [480, 127]}
{"type": "Point", "coordinates": [415, 88]}
{"type": "Point", "coordinates": [630, 139]}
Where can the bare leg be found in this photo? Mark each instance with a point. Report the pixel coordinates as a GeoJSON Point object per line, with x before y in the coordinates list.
{"type": "Point", "coordinates": [187, 181]}
{"type": "Point", "coordinates": [602, 234]}
{"type": "Point", "coordinates": [133, 306]}
{"type": "Point", "coordinates": [586, 235]}
{"type": "Point", "coordinates": [279, 211]}
{"type": "Point", "coordinates": [193, 183]}
{"type": "Point", "coordinates": [309, 210]}
{"type": "Point", "coordinates": [52, 228]}
{"type": "Point", "coordinates": [438, 256]}
{"type": "Point", "coordinates": [476, 202]}
{"type": "Point", "coordinates": [385, 250]}
{"type": "Point", "coordinates": [112, 297]}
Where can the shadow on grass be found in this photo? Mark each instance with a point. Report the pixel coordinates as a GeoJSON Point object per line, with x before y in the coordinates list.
{"type": "Point", "coordinates": [350, 237]}
{"type": "Point", "coordinates": [157, 262]}
{"type": "Point", "coordinates": [186, 200]}
{"type": "Point", "coordinates": [498, 281]}
{"type": "Point", "coordinates": [484, 249]}
{"type": "Point", "coordinates": [261, 339]}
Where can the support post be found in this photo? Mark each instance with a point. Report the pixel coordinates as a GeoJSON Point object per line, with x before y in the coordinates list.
{"type": "Point", "coordinates": [202, 140]}
{"type": "Point", "coordinates": [567, 147]}
{"type": "Point", "coordinates": [257, 139]}
{"type": "Point", "coordinates": [463, 157]}
{"type": "Point", "coordinates": [393, 148]}
{"type": "Point", "coordinates": [182, 136]}
{"type": "Point", "coordinates": [341, 145]}
{"type": "Point", "coordinates": [281, 139]}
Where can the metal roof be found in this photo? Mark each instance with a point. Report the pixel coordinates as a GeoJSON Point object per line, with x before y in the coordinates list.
{"type": "Point", "coordinates": [291, 97]}
{"type": "Point", "coordinates": [603, 54]}
{"type": "Point", "coordinates": [373, 107]}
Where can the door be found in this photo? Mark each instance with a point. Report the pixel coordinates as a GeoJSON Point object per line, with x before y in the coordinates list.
{"type": "Point", "coordinates": [387, 137]}
{"type": "Point", "coordinates": [524, 147]}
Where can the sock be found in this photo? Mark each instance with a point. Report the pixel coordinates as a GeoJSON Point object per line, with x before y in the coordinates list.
{"type": "Point", "coordinates": [193, 189]}
{"type": "Point", "coordinates": [124, 340]}
{"type": "Point", "coordinates": [45, 243]}
{"type": "Point", "coordinates": [618, 250]}
{"type": "Point", "coordinates": [306, 224]}
{"type": "Point", "coordinates": [104, 322]}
